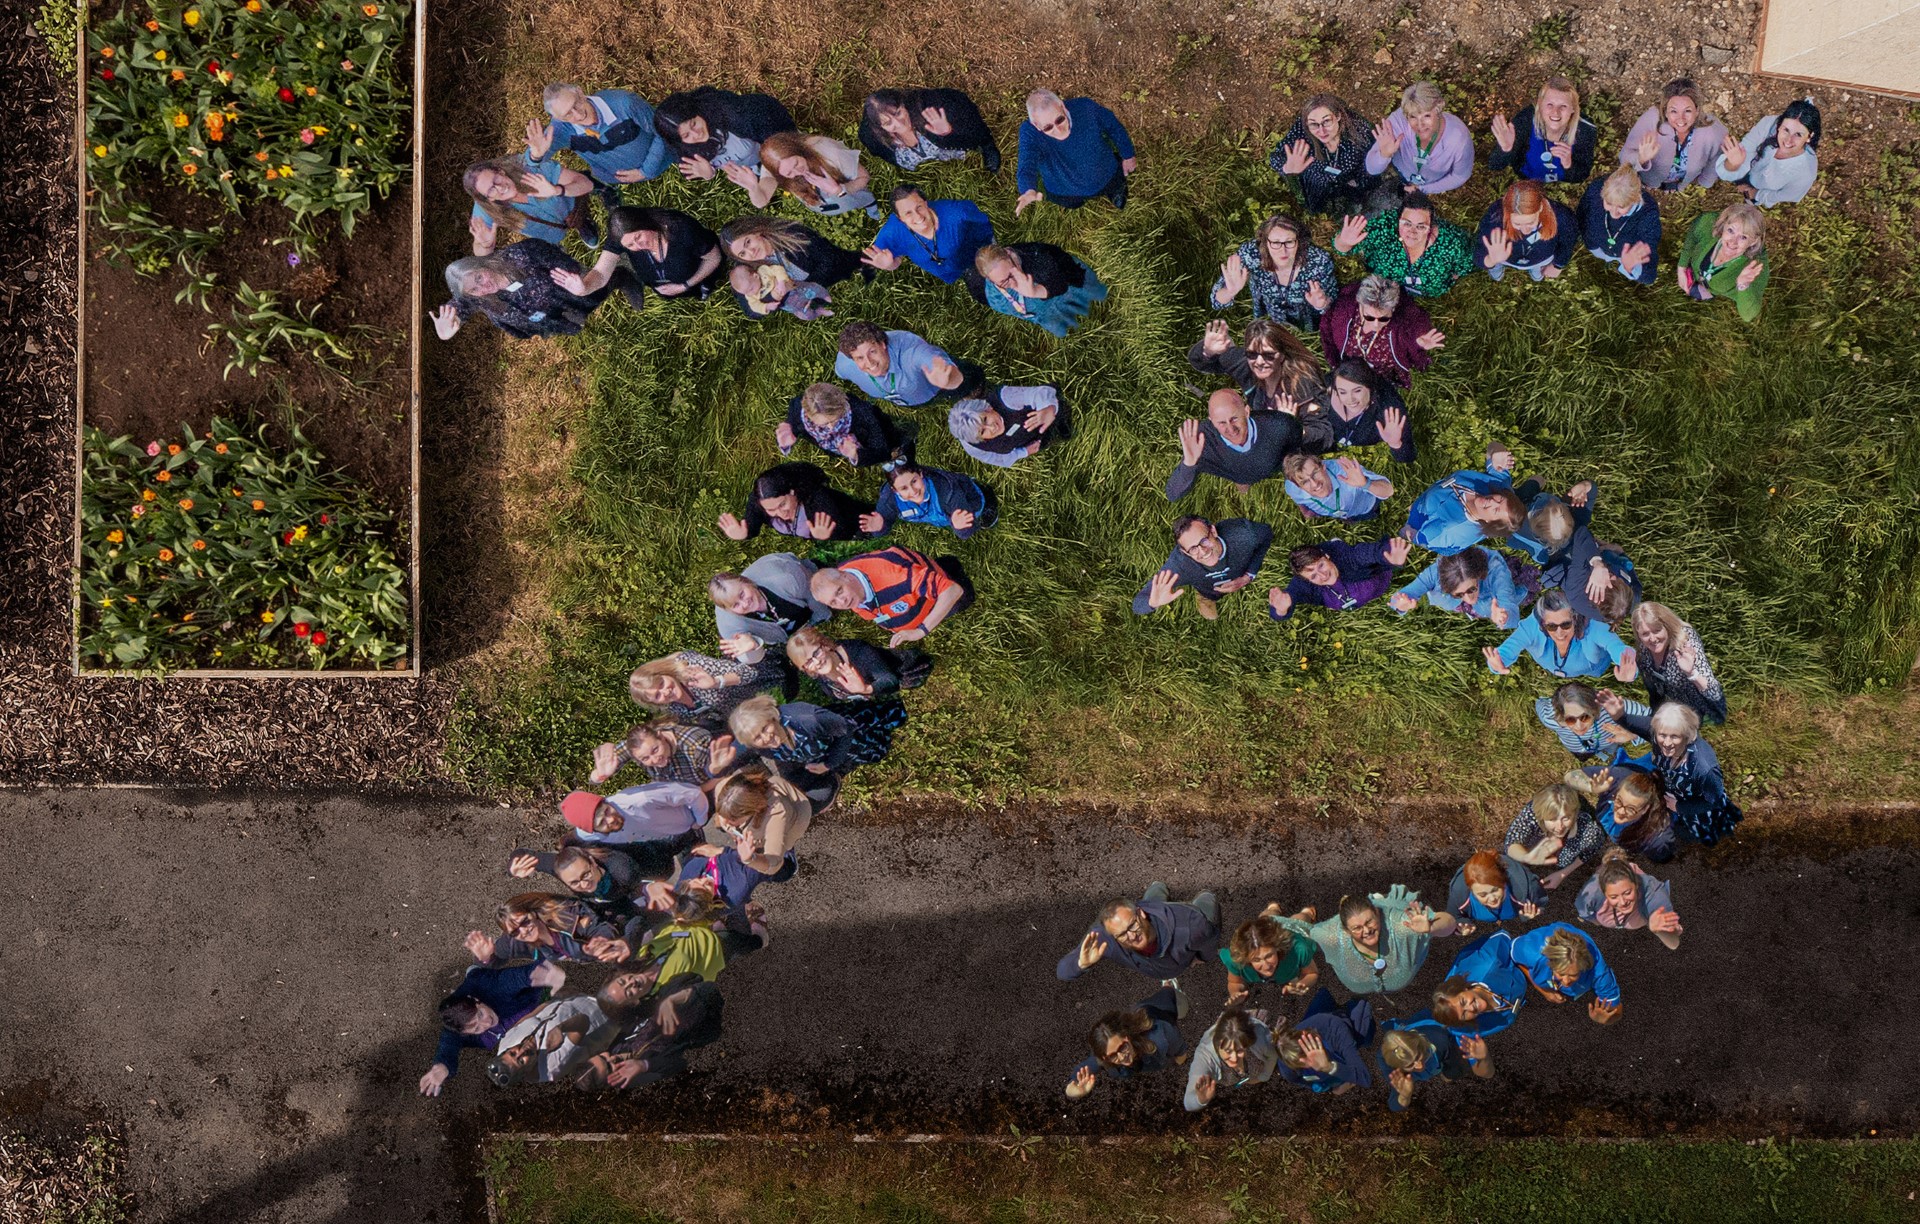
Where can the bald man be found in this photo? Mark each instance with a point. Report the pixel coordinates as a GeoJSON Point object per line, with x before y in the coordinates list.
{"type": "Point", "coordinates": [1233, 443]}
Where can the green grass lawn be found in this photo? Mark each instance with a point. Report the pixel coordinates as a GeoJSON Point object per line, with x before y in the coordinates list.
{"type": "Point", "coordinates": [1244, 1181]}
{"type": "Point", "coordinates": [1763, 477]}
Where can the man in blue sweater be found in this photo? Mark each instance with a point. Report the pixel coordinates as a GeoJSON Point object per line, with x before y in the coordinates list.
{"type": "Point", "coordinates": [612, 131]}
{"type": "Point", "coordinates": [940, 237]}
{"type": "Point", "coordinates": [1077, 148]}
{"type": "Point", "coordinates": [1153, 936]}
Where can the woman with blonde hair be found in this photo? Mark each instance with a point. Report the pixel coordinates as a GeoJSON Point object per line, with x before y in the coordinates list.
{"type": "Point", "coordinates": [818, 171]}
{"type": "Point", "coordinates": [1554, 829]}
{"type": "Point", "coordinates": [1525, 230]}
{"type": "Point", "coordinates": [1674, 664]}
{"type": "Point", "coordinates": [1430, 149]}
{"type": "Point", "coordinates": [1687, 767]}
{"type": "Point", "coordinates": [1725, 255]}
{"type": "Point", "coordinates": [844, 426]}
{"type": "Point", "coordinates": [1036, 282]}
{"type": "Point", "coordinates": [1290, 280]}
{"type": "Point", "coordinates": [1416, 1051]}
{"type": "Point", "coordinates": [1562, 963]}
{"type": "Point", "coordinates": [1622, 897]}
{"type": "Point", "coordinates": [1620, 224]}
{"type": "Point", "coordinates": [817, 745]}
{"type": "Point", "coordinates": [1324, 155]}
{"type": "Point", "coordinates": [542, 927]}
{"type": "Point", "coordinates": [1676, 143]}
{"type": "Point", "coordinates": [699, 688]}
{"type": "Point", "coordinates": [1549, 141]}
{"type": "Point", "coordinates": [806, 257]}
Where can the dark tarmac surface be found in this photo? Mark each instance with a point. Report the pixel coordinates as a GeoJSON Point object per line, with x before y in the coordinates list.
{"type": "Point", "coordinates": [247, 987]}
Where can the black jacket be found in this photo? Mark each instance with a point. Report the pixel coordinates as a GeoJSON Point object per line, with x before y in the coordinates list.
{"type": "Point", "coordinates": [970, 131]}
{"type": "Point", "coordinates": [1585, 137]}
{"type": "Point", "coordinates": [816, 497]}
{"type": "Point", "coordinates": [877, 437]}
{"type": "Point", "coordinates": [754, 116]}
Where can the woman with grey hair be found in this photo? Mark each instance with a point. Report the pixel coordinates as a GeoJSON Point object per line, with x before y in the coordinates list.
{"type": "Point", "coordinates": [1375, 322]}
{"type": "Point", "coordinates": [1687, 767]}
{"type": "Point", "coordinates": [1009, 424]}
{"type": "Point", "coordinates": [518, 290]}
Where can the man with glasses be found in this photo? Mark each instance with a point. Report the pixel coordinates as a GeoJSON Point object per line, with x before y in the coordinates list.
{"type": "Point", "coordinates": [1214, 559]}
{"type": "Point", "coordinates": [1153, 936]}
{"type": "Point", "coordinates": [1233, 443]}
{"type": "Point", "coordinates": [1409, 245]}
{"type": "Point", "coordinates": [1565, 643]}
{"type": "Point", "coordinates": [1070, 152]}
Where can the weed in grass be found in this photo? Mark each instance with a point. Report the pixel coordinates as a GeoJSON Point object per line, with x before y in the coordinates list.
{"type": "Point", "coordinates": [1550, 31]}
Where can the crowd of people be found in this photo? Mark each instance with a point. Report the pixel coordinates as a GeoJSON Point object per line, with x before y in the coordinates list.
{"type": "Point", "coordinates": [653, 885]}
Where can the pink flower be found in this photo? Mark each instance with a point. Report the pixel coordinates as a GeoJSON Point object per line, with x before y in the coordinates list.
{"type": "Point", "coordinates": [153, 448]}
{"type": "Point", "coordinates": [306, 136]}
{"type": "Point", "coordinates": [138, 510]}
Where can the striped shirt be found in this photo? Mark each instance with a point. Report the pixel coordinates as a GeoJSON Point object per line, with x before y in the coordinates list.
{"type": "Point", "coordinates": [1594, 743]}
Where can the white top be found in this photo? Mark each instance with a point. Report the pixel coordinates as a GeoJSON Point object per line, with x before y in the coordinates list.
{"type": "Point", "coordinates": [1775, 180]}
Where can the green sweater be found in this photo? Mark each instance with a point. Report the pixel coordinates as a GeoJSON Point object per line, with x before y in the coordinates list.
{"type": "Point", "coordinates": [1446, 259]}
{"type": "Point", "coordinates": [1697, 251]}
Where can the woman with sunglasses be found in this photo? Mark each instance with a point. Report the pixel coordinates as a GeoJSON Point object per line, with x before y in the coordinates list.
{"type": "Point", "coordinates": [1409, 245]}
{"type": "Point", "coordinates": [1580, 722]}
{"type": "Point", "coordinates": [1290, 280]}
{"type": "Point", "coordinates": [1324, 155]}
{"type": "Point", "coordinates": [1273, 369]}
{"type": "Point", "coordinates": [1372, 321]}
{"type": "Point", "coordinates": [1564, 643]}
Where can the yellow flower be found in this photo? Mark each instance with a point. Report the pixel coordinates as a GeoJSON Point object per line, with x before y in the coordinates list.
{"type": "Point", "coordinates": [286, 172]}
{"type": "Point", "coordinates": [115, 536]}
{"type": "Point", "coordinates": [191, 17]}
{"type": "Point", "coordinates": [180, 119]}
{"type": "Point", "coordinates": [160, 56]}
{"type": "Point", "coordinates": [99, 150]}
{"type": "Point", "coordinates": [187, 617]}
{"type": "Point", "coordinates": [300, 532]}
{"type": "Point", "coordinates": [107, 602]}
{"type": "Point", "coordinates": [267, 617]}
{"type": "Point", "coordinates": [318, 130]}
{"type": "Point", "coordinates": [146, 494]}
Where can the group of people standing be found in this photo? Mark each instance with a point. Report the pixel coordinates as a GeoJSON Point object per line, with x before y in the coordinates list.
{"type": "Point", "coordinates": [654, 883]}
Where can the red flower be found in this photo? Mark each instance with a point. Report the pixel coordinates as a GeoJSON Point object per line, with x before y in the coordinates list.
{"type": "Point", "coordinates": [213, 66]}
{"type": "Point", "coordinates": [324, 520]}
{"type": "Point", "coordinates": [319, 637]}
{"type": "Point", "coordinates": [106, 74]}
{"type": "Point", "coordinates": [286, 95]}
{"type": "Point", "coordinates": [286, 537]}
{"type": "Point", "coordinates": [301, 628]}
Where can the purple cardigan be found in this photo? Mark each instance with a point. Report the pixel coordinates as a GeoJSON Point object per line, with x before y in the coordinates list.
{"type": "Point", "coordinates": [1449, 165]}
{"type": "Point", "coordinates": [1703, 150]}
{"type": "Point", "coordinates": [1394, 356]}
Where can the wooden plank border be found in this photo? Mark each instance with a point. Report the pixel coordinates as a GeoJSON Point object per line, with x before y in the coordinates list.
{"type": "Point", "coordinates": [415, 300]}
{"type": "Point", "coordinates": [1760, 58]}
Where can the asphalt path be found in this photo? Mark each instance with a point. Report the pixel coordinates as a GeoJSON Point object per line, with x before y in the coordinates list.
{"type": "Point", "coordinates": [246, 986]}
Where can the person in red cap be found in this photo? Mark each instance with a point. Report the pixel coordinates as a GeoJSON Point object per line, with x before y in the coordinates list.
{"type": "Point", "coordinates": [651, 823]}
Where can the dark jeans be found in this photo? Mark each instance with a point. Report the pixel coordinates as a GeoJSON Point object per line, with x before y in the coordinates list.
{"type": "Point", "coordinates": [1115, 191]}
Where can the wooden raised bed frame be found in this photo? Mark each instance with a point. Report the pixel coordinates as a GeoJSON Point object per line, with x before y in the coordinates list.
{"type": "Point", "coordinates": [415, 305]}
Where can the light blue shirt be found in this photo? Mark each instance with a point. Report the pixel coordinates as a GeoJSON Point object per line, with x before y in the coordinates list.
{"type": "Point", "coordinates": [905, 382]}
{"type": "Point", "coordinates": [1496, 588]}
{"type": "Point", "coordinates": [1528, 955]}
{"type": "Point", "coordinates": [1592, 653]}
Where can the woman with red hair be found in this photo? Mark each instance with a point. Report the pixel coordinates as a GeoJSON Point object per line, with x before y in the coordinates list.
{"type": "Point", "coordinates": [1494, 888]}
{"type": "Point", "coordinates": [1524, 229]}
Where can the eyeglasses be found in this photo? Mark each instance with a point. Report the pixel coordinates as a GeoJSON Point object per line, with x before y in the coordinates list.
{"type": "Point", "coordinates": [1058, 121]}
{"type": "Point", "coordinates": [1278, 241]}
{"type": "Point", "coordinates": [1323, 125]}
{"type": "Point", "coordinates": [1556, 626]}
{"type": "Point", "coordinates": [1131, 928]}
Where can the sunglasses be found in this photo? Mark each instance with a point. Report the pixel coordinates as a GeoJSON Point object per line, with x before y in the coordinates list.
{"type": "Point", "coordinates": [1059, 122]}
{"type": "Point", "coordinates": [1373, 318]}
{"type": "Point", "coordinates": [1262, 354]}
{"type": "Point", "coordinates": [1556, 626]}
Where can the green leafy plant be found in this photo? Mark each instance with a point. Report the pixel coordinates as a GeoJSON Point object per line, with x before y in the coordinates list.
{"type": "Point", "coordinates": [1550, 31]}
{"type": "Point", "coordinates": [260, 325]}
{"type": "Point", "coordinates": [248, 100]}
{"type": "Point", "coordinates": [225, 551]}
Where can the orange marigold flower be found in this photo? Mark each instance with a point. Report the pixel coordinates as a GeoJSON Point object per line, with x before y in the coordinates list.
{"type": "Point", "coordinates": [189, 169]}
{"type": "Point", "coordinates": [163, 477]}
{"type": "Point", "coordinates": [260, 156]}
{"type": "Point", "coordinates": [259, 505]}
{"type": "Point", "coordinates": [153, 27]}
{"type": "Point", "coordinates": [186, 503]}
{"type": "Point", "coordinates": [178, 74]}
{"type": "Point", "coordinates": [253, 6]}
{"type": "Point", "coordinates": [220, 448]}
{"type": "Point", "coordinates": [115, 536]}
{"type": "Point", "coordinates": [311, 91]}
{"type": "Point", "coordinates": [187, 617]}
{"type": "Point", "coordinates": [271, 174]}
{"type": "Point", "coordinates": [106, 53]}
{"type": "Point", "coordinates": [180, 119]}
{"type": "Point", "coordinates": [371, 10]}
{"type": "Point", "coordinates": [173, 448]}
{"type": "Point", "coordinates": [147, 494]}
{"type": "Point", "coordinates": [199, 546]}
{"type": "Point", "coordinates": [166, 554]}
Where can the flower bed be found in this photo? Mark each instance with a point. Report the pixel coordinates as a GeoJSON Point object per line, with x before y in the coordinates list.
{"type": "Point", "coordinates": [251, 196]}
{"type": "Point", "coordinates": [221, 551]}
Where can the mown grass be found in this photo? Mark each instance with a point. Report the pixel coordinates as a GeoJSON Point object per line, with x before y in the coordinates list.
{"type": "Point", "coordinates": [1245, 1181]}
{"type": "Point", "coordinates": [1762, 476]}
